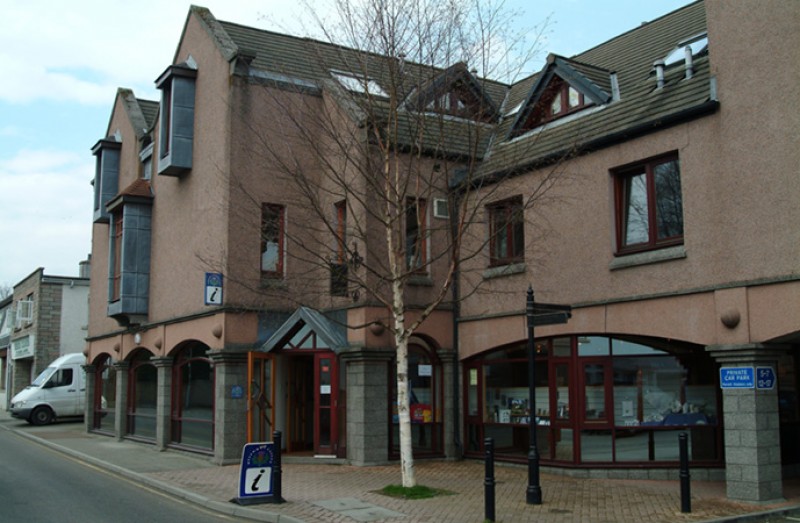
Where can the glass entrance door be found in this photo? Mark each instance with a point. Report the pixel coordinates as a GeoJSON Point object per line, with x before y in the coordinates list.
{"type": "Point", "coordinates": [261, 397]}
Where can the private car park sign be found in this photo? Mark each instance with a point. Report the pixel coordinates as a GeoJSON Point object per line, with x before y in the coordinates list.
{"type": "Point", "coordinates": [762, 378]}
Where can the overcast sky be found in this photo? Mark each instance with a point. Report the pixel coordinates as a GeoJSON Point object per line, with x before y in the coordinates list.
{"type": "Point", "coordinates": [62, 61]}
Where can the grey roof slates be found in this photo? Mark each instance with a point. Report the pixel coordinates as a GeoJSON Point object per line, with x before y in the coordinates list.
{"type": "Point", "coordinates": [629, 55]}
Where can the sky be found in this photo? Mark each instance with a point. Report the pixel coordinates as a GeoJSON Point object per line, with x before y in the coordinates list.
{"type": "Point", "coordinates": [61, 63]}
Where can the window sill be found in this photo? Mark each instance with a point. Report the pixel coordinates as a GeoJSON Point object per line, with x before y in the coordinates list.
{"type": "Point", "coordinates": [273, 282]}
{"type": "Point", "coordinates": [504, 270]}
{"type": "Point", "coordinates": [677, 252]}
{"type": "Point", "coordinates": [420, 280]}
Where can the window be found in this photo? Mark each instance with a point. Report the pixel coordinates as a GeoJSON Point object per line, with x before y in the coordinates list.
{"type": "Point", "coordinates": [507, 232]}
{"type": "Point", "coordinates": [116, 250]}
{"type": "Point", "coordinates": [559, 99]}
{"type": "Point", "coordinates": [649, 205]}
{"type": "Point", "coordinates": [24, 311]}
{"type": "Point", "coordinates": [146, 158]}
{"type": "Point", "coordinates": [192, 414]}
{"type": "Point", "coordinates": [176, 134]}
{"type": "Point", "coordinates": [416, 251]}
{"type": "Point", "coordinates": [272, 229]}
{"type": "Point", "coordinates": [339, 262]}
{"type": "Point", "coordinates": [106, 176]}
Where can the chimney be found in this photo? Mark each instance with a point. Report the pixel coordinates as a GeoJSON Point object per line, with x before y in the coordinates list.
{"type": "Point", "coordinates": [659, 65]}
{"type": "Point", "coordinates": [689, 63]}
{"type": "Point", "coordinates": [84, 267]}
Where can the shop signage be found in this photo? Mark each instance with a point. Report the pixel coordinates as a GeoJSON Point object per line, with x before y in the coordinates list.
{"type": "Point", "coordinates": [737, 377]}
{"type": "Point", "coordinates": [22, 348]}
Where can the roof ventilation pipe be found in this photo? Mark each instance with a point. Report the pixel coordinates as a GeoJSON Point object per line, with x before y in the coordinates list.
{"type": "Point", "coordinates": [659, 65]}
{"type": "Point", "coordinates": [689, 63]}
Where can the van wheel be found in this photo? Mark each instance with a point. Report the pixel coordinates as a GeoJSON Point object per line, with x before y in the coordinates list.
{"type": "Point", "coordinates": [41, 416]}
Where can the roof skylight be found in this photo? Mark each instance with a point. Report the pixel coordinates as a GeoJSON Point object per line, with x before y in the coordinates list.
{"type": "Point", "coordinates": [358, 84]}
{"type": "Point", "coordinates": [698, 44]}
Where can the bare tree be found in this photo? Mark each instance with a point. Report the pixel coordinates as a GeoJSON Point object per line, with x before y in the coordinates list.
{"type": "Point", "coordinates": [394, 119]}
{"type": "Point", "coordinates": [6, 290]}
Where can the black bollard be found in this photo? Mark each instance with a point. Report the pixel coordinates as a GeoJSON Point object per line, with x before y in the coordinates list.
{"type": "Point", "coordinates": [276, 469]}
{"type": "Point", "coordinates": [488, 481]}
{"type": "Point", "coordinates": [686, 493]}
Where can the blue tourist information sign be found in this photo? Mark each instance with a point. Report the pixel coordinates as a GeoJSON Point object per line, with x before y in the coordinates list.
{"type": "Point", "coordinates": [255, 478]}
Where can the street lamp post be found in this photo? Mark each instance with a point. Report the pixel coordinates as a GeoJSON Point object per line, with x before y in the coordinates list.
{"type": "Point", "coordinates": [534, 492]}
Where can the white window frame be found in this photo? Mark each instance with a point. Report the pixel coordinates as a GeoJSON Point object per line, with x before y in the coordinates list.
{"type": "Point", "coordinates": [24, 312]}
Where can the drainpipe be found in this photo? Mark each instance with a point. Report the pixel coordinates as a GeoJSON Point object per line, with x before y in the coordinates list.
{"type": "Point", "coordinates": [456, 201]}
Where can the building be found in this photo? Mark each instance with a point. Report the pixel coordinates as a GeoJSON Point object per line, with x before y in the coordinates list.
{"type": "Point", "coordinates": [211, 325]}
{"type": "Point", "coordinates": [5, 341]}
{"type": "Point", "coordinates": [49, 319]}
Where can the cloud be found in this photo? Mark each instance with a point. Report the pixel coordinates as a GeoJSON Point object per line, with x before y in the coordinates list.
{"type": "Point", "coordinates": [47, 211]}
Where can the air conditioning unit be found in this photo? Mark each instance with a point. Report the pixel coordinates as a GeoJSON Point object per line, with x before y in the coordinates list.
{"type": "Point", "coordinates": [440, 208]}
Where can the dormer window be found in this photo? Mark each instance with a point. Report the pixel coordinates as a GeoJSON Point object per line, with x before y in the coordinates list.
{"type": "Point", "coordinates": [176, 133]}
{"type": "Point", "coordinates": [559, 99]}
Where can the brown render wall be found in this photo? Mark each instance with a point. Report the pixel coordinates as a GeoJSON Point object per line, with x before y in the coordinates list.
{"type": "Point", "coordinates": [739, 175]}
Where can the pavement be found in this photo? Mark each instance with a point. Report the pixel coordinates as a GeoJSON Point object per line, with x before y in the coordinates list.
{"type": "Point", "coordinates": [320, 492]}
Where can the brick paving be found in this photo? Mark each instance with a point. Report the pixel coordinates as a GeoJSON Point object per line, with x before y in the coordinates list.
{"type": "Point", "coordinates": [565, 499]}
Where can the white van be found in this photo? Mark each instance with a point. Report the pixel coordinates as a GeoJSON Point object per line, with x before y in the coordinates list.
{"type": "Point", "coordinates": [58, 392]}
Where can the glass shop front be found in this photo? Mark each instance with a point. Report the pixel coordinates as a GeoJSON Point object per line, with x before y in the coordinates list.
{"type": "Point", "coordinates": [599, 401]}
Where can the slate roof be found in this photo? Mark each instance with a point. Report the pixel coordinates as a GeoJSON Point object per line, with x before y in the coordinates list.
{"type": "Point", "coordinates": [641, 108]}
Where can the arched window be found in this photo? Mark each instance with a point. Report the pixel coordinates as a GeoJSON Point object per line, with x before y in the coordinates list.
{"type": "Point", "coordinates": [193, 398]}
{"type": "Point", "coordinates": [105, 395]}
{"type": "Point", "coordinates": [598, 400]}
{"type": "Point", "coordinates": [425, 390]}
{"type": "Point", "coordinates": [143, 381]}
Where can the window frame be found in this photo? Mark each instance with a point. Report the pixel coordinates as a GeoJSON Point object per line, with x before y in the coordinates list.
{"type": "Point", "coordinates": [621, 176]}
{"type": "Point", "coordinates": [418, 208]}
{"type": "Point", "coordinates": [116, 249]}
{"type": "Point", "coordinates": [514, 253]}
{"type": "Point", "coordinates": [279, 213]}
{"type": "Point", "coordinates": [338, 262]}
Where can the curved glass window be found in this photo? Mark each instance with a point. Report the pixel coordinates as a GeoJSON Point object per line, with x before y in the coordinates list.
{"type": "Point", "coordinates": [193, 398]}
{"type": "Point", "coordinates": [105, 395]}
{"type": "Point", "coordinates": [143, 383]}
{"type": "Point", "coordinates": [598, 400]}
{"type": "Point", "coordinates": [424, 380]}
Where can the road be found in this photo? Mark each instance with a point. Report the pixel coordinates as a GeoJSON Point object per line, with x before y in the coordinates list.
{"type": "Point", "coordinates": [38, 484]}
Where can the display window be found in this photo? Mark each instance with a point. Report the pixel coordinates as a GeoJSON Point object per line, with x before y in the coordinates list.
{"type": "Point", "coordinates": [597, 400]}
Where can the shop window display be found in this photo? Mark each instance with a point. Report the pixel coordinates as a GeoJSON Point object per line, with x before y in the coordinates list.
{"type": "Point", "coordinates": [598, 400]}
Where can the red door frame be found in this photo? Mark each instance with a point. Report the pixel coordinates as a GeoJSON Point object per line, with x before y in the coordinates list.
{"type": "Point", "coordinates": [326, 383]}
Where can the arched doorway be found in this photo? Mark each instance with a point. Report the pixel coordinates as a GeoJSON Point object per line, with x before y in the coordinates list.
{"type": "Point", "coordinates": [425, 382]}
{"type": "Point", "coordinates": [192, 413]}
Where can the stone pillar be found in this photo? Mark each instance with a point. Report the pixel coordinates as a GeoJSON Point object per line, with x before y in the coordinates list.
{"type": "Point", "coordinates": [121, 410]}
{"type": "Point", "coordinates": [163, 366]}
{"type": "Point", "coordinates": [449, 365]}
{"type": "Point", "coordinates": [751, 427]}
{"type": "Point", "coordinates": [367, 405]}
{"type": "Point", "coordinates": [230, 410]}
{"type": "Point", "coordinates": [88, 402]}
